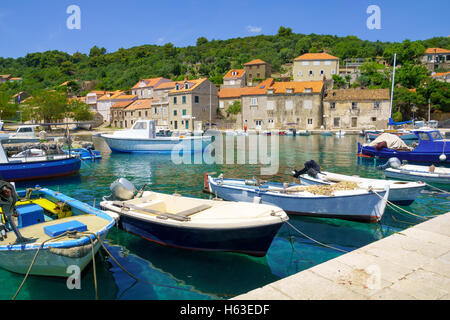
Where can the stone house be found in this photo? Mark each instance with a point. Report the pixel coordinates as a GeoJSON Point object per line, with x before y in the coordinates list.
{"type": "Point", "coordinates": [356, 109]}
{"type": "Point", "coordinates": [118, 114]}
{"type": "Point", "coordinates": [234, 78]}
{"type": "Point", "coordinates": [138, 109]}
{"type": "Point", "coordinates": [315, 66]}
{"type": "Point", "coordinates": [192, 104]}
{"type": "Point", "coordinates": [257, 69]}
{"type": "Point", "coordinates": [144, 88]}
{"type": "Point", "coordinates": [436, 58]}
{"type": "Point", "coordinates": [105, 103]}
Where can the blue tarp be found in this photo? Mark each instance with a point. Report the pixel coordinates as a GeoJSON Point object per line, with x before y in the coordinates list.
{"type": "Point", "coordinates": [393, 123]}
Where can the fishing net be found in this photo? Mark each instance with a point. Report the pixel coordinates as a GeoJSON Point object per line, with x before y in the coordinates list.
{"type": "Point", "coordinates": [325, 190]}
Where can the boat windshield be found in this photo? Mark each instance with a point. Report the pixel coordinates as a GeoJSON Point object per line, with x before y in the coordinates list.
{"type": "Point", "coordinates": [140, 126]}
{"type": "Point", "coordinates": [435, 135]}
{"type": "Point", "coordinates": [423, 136]}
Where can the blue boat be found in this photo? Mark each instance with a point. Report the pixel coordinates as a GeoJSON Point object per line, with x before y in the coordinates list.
{"type": "Point", "coordinates": [432, 147]}
{"type": "Point", "coordinates": [85, 153]}
{"type": "Point", "coordinates": [24, 167]}
{"type": "Point", "coordinates": [44, 214]}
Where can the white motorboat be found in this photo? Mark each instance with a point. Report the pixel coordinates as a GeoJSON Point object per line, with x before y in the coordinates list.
{"type": "Point", "coordinates": [24, 133]}
{"type": "Point", "coordinates": [142, 138]}
{"type": "Point", "coordinates": [342, 201]}
{"type": "Point", "coordinates": [195, 224]}
{"type": "Point", "coordinates": [420, 173]}
{"type": "Point", "coordinates": [401, 192]}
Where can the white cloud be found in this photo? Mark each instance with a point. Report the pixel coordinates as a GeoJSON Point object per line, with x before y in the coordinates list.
{"type": "Point", "coordinates": [160, 41]}
{"type": "Point", "coordinates": [253, 29]}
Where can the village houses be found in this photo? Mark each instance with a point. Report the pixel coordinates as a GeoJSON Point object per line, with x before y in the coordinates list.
{"type": "Point", "coordinates": [315, 66]}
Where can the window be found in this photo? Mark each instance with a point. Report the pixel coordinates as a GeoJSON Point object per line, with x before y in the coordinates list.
{"type": "Point", "coordinates": [354, 122]}
{"type": "Point", "coordinates": [175, 124]}
{"type": "Point", "coordinates": [307, 104]}
{"type": "Point", "coordinates": [327, 63]}
{"type": "Point", "coordinates": [310, 121]}
{"type": "Point", "coordinates": [186, 85]}
{"type": "Point", "coordinates": [177, 86]}
{"type": "Point", "coordinates": [174, 112]}
{"type": "Point", "coordinates": [183, 99]}
{"type": "Point", "coordinates": [316, 63]}
{"type": "Point", "coordinates": [332, 105]}
{"type": "Point", "coordinates": [374, 119]}
{"type": "Point", "coordinates": [289, 105]}
{"type": "Point", "coordinates": [139, 125]}
{"type": "Point", "coordinates": [156, 110]}
{"type": "Point", "coordinates": [131, 113]}
{"type": "Point", "coordinates": [337, 122]}
{"type": "Point", "coordinates": [184, 112]}
{"type": "Point", "coordinates": [146, 113]}
{"type": "Point", "coordinates": [333, 71]}
{"type": "Point", "coordinates": [322, 72]}
{"type": "Point", "coordinates": [354, 105]}
{"type": "Point", "coordinates": [270, 105]}
{"type": "Point", "coordinates": [308, 90]}
{"type": "Point", "coordinates": [174, 100]}
{"type": "Point", "coordinates": [232, 82]}
{"type": "Point", "coordinates": [221, 104]}
{"type": "Point", "coordinates": [254, 102]}
{"type": "Point", "coordinates": [435, 135]}
{"type": "Point", "coordinates": [311, 72]}
{"type": "Point", "coordinates": [187, 124]}
{"type": "Point", "coordinates": [196, 99]}
{"type": "Point", "coordinates": [258, 75]}
{"type": "Point", "coordinates": [376, 105]}
{"type": "Point", "coordinates": [289, 90]}
{"type": "Point", "coordinates": [305, 63]}
{"type": "Point", "coordinates": [139, 114]}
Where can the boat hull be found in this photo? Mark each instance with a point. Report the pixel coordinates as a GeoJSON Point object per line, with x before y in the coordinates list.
{"type": "Point", "coordinates": [411, 176]}
{"type": "Point", "coordinates": [397, 195]}
{"type": "Point", "coordinates": [250, 240]}
{"type": "Point", "coordinates": [22, 171]}
{"type": "Point", "coordinates": [48, 262]}
{"type": "Point", "coordinates": [155, 145]}
{"type": "Point", "coordinates": [366, 207]}
{"type": "Point", "coordinates": [411, 156]}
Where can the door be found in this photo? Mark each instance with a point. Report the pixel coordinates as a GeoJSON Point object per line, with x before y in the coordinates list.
{"type": "Point", "coordinates": [258, 124]}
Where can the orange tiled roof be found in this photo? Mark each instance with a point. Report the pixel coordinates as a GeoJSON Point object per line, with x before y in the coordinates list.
{"type": "Point", "coordinates": [168, 85]}
{"type": "Point", "coordinates": [148, 82]}
{"type": "Point", "coordinates": [316, 56]}
{"type": "Point", "coordinates": [140, 104]}
{"type": "Point", "coordinates": [113, 95]}
{"type": "Point", "coordinates": [122, 104]}
{"type": "Point", "coordinates": [15, 79]}
{"type": "Point", "coordinates": [256, 61]}
{"type": "Point", "coordinates": [261, 89]}
{"type": "Point", "coordinates": [440, 74]}
{"type": "Point", "coordinates": [436, 50]}
{"type": "Point", "coordinates": [5, 76]}
{"type": "Point", "coordinates": [192, 85]}
{"type": "Point", "coordinates": [239, 73]}
{"type": "Point", "coordinates": [297, 86]}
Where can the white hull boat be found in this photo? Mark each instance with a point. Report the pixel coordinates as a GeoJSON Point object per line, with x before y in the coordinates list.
{"type": "Point", "coordinates": [142, 138]}
{"type": "Point", "coordinates": [197, 224]}
{"type": "Point", "coordinates": [401, 193]}
{"type": "Point", "coordinates": [357, 204]}
{"type": "Point", "coordinates": [419, 173]}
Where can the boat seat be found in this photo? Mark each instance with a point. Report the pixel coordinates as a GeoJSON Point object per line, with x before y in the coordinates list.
{"type": "Point", "coordinates": [191, 211]}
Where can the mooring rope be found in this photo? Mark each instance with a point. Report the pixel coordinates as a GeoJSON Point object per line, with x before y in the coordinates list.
{"type": "Point", "coordinates": [443, 191]}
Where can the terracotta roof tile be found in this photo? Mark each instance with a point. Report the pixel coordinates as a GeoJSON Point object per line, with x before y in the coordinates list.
{"type": "Point", "coordinates": [256, 61]}
{"type": "Point", "coordinates": [192, 85]}
{"type": "Point", "coordinates": [140, 104]}
{"type": "Point", "coordinates": [436, 50]}
{"type": "Point", "coordinates": [122, 104]}
{"type": "Point", "coordinates": [148, 82]}
{"type": "Point", "coordinates": [297, 86]}
{"type": "Point", "coordinates": [357, 94]}
{"type": "Point", "coordinates": [261, 89]}
{"type": "Point", "coordinates": [316, 56]}
{"type": "Point", "coordinates": [238, 73]}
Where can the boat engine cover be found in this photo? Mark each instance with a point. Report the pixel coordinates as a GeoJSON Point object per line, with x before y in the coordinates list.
{"type": "Point", "coordinates": [123, 189]}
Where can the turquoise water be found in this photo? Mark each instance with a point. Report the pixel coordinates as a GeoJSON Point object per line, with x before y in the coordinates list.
{"type": "Point", "coordinates": [201, 275]}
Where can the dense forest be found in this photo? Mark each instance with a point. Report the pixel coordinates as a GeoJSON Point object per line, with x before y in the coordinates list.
{"type": "Point", "coordinates": [211, 58]}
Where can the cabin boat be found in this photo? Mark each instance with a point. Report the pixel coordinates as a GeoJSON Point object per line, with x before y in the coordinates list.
{"type": "Point", "coordinates": [401, 192]}
{"type": "Point", "coordinates": [419, 173]}
{"type": "Point", "coordinates": [352, 203]}
{"type": "Point", "coordinates": [25, 133]}
{"type": "Point", "coordinates": [432, 147]}
{"type": "Point", "coordinates": [36, 164]}
{"type": "Point", "coordinates": [198, 224]}
{"type": "Point", "coordinates": [402, 134]}
{"type": "Point", "coordinates": [43, 214]}
{"type": "Point", "coordinates": [142, 138]}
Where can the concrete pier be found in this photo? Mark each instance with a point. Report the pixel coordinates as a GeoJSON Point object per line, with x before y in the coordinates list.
{"type": "Point", "coordinates": [411, 264]}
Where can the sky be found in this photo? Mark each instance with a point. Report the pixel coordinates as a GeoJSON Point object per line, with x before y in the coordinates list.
{"type": "Point", "coordinates": [28, 26]}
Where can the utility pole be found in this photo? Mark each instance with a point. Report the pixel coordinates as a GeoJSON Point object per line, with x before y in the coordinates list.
{"type": "Point", "coordinates": [429, 110]}
{"type": "Point", "coordinates": [392, 89]}
{"type": "Point", "coordinates": [210, 105]}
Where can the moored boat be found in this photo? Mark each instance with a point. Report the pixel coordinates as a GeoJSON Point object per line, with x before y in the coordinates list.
{"type": "Point", "coordinates": [195, 224]}
{"type": "Point", "coordinates": [401, 193]}
{"type": "Point", "coordinates": [44, 214]}
{"type": "Point", "coordinates": [85, 153]}
{"type": "Point", "coordinates": [430, 174]}
{"type": "Point", "coordinates": [431, 147]}
{"type": "Point", "coordinates": [142, 138]}
{"type": "Point", "coordinates": [342, 201]}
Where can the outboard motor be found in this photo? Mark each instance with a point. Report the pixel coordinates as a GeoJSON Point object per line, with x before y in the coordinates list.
{"type": "Point", "coordinates": [311, 168]}
{"type": "Point", "coordinates": [122, 190]}
{"type": "Point", "coordinates": [391, 163]}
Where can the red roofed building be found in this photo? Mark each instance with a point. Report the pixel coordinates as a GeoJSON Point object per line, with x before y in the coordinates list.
{"type": "Point", "coordinates": [436, 58]}
{"type": "Point", "coordinates": [235, 78]}
{"type": "Point", "coordinates": [315, 66]}
{"type": "Point", "coordinates": [257, 70]}
{"type": "Point", "coordinates": [144, 88]}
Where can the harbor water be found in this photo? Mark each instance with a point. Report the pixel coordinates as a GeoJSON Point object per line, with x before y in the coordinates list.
{"type": "Point", "coordinates": [184, 274]}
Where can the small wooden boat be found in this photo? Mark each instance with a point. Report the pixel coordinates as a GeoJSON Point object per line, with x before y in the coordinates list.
{"type": "Point", "coordinates": [85, 153]}
{"type": "Point", "coordinates": [198, 224]}
{"type": "Point", "coordinates": [401, 193]}
{"type": "Point", "coordinates": [326, 133]}
{"type": "Point", "coordinates": [43, 214]}
{"type": "Point", "coordinates": [303, 133]}
{"type": "Point", "coordinates": [35, 164]}
{"type": "Point", "coordinates": [431, 148]}
{"type": "Point", "coordinates": [339, 201]}
{"type": "Point", "coordinates": [420, 173]}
